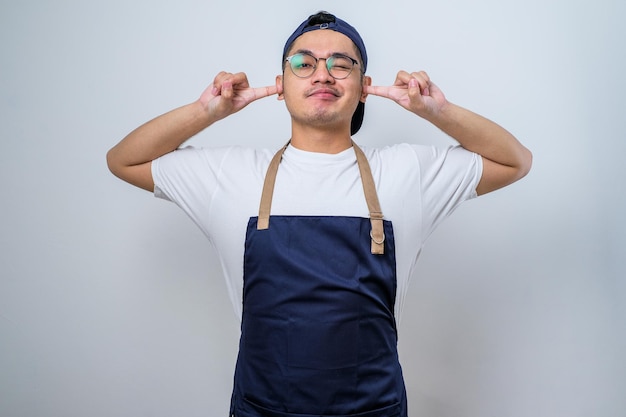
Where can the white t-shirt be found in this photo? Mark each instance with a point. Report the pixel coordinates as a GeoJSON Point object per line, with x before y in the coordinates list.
{"type": "Point", "coordinates": [220, 189]}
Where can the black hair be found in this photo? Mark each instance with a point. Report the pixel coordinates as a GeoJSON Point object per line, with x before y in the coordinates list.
{"type": "Point", "coordinates": [320, 18]}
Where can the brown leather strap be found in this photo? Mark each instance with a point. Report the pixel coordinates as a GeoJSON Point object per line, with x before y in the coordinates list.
{"type": "Point", "coordinates": [268, 190]}
{"type": "Point", "coordinates": [373, 205]}
{"type": "Point", "coordinates": [377, 233]}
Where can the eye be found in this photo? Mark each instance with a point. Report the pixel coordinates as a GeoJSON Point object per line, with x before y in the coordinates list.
{"type": "Point", "coordinates": [340, 63]}
{"type": "Point", "coordinates": [302, 61]}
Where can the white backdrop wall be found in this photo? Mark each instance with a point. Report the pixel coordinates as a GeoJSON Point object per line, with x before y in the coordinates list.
{"type": "Point", "coordinates": [113, 304]}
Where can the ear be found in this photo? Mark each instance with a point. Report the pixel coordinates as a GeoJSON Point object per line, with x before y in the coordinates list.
{"type": "Point", "coordinates": [279, 87]}
{"type": "Point", "coordinates": [367, 81]}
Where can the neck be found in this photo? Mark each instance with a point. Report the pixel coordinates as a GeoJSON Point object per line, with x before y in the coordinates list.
{"type": "Point", "coordinates": [329, 140]}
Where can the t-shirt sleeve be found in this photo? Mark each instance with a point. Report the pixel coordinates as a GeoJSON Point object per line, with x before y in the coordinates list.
{"type": "Point", "coordinates": [448, 177]}
{"type": "Point", "coordinates": [188, 177]}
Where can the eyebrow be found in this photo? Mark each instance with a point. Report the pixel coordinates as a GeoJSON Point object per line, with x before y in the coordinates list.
{"type": "Point", "coordinates": [306, 51]}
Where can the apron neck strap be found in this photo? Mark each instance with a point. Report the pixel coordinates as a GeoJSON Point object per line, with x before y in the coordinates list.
{"type": "Point", "coordinates": [377, 233]}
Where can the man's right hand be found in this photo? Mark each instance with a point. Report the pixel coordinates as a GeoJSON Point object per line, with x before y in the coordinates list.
{"type": "Point", "coordinates": [230, 93]}
{"type": "Point", "coordinates": [131, 159]}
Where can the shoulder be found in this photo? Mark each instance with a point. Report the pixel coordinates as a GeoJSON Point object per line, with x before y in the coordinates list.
{"type": "Point", "coordinates": [194, 168]}
{"type": "Point", "coordinates": [417, 152]}
{"type": "Point", "coordinates": [213, 159]}
{"type": "Point", "coordinates": [216, 153]}
{"type": "Point", "coordinates": [425, 157]}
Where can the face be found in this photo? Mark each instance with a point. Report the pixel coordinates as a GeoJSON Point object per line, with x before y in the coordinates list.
{"type": "Point", "coordinates": [321, 100]}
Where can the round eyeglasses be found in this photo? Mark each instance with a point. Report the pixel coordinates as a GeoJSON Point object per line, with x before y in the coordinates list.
{"type": "Point", "coordinates": [303, 65]}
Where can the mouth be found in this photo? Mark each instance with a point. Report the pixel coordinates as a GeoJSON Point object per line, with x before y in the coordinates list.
{"type": "Point", "coordinates": [323, 93]}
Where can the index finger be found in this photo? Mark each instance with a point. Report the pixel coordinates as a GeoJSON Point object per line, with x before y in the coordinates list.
{"type": "Point", "coordinates": [378, 90]}
{"type": "Point", "coordinates": [262, 92]}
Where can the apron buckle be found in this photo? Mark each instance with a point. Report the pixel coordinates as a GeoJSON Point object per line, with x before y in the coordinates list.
{"type": "Point", "coordinates": [377, 233]}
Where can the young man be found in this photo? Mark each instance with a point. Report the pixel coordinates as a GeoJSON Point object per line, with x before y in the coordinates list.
{"type": "Point", "coordinates": [318, 241]}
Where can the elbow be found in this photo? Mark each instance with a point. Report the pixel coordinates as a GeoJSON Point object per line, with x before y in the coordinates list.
{"type": "Point", "coordinates": [115, 164]}
{"type": "Point", "coordinates": [139, 175]}
{"type": "Point", "coordinates": [526, 163]}
{"type": "Point", "coordinates": [112, 162]}
{"type": "Point", "coordinates": [497, 175]}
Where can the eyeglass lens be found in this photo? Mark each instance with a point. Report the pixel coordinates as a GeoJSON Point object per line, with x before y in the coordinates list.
{"type": "Point", "coordinates": [304, 65]}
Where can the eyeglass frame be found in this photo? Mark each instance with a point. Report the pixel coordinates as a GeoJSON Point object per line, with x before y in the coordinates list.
{"type": "Point", "coordinates": [335, 55]}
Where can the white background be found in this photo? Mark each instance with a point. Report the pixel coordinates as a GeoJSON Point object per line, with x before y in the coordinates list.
{"type": "Point", "coordinates": [113, 304]}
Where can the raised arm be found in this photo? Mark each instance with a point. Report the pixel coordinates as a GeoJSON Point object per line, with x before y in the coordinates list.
{"type": "Point", "coordinates": [131, 159]}
{"type": "Point", "coordinates": [505, 159]}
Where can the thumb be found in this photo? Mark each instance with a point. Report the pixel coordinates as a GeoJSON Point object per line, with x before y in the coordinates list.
{"type": "Point", "coordinates": [414, 88]}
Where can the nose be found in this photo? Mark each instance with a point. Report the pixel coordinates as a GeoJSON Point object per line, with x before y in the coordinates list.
{"type": "Point", "coordinates": [321, 73]}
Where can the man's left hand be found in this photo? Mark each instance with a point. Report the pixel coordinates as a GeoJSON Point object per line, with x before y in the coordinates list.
{"type": "Point", "coordinates": [413, 91]}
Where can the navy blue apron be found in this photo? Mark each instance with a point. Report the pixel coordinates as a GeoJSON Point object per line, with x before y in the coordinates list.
{"type": "Point", "coordinates": [318, 332]}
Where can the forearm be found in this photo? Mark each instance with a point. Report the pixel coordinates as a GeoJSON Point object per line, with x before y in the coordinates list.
{"type": "Point", "coordinates": [159, 136]}
{"type": "Point", "coordinates": [482, 136]}
{"type": "Point", "coordinates": [131, 159]}
{"type": "Point", "coordinates": [505, 159]}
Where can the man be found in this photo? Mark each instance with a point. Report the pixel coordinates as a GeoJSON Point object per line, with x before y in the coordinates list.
{"type": "Point", "coordinates": [318, 241]}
